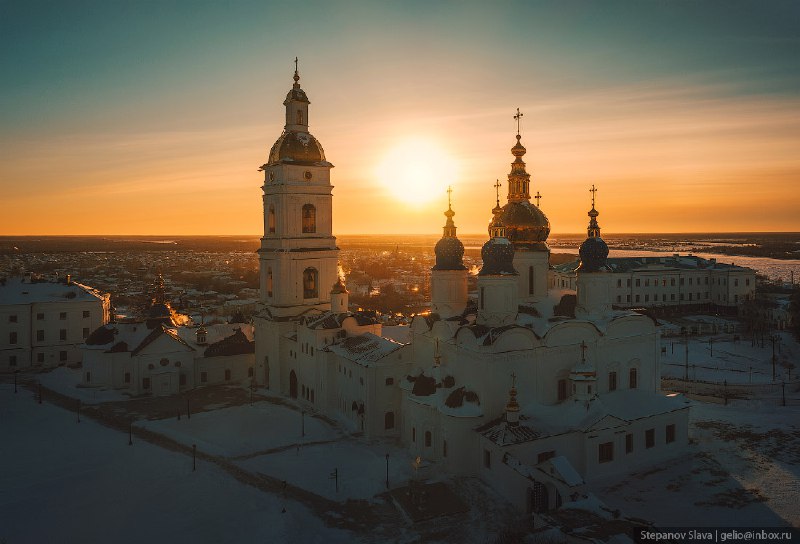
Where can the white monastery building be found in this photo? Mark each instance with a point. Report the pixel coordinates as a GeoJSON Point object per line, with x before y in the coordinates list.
{"type": "Point", "coordinates": [43, 322]}
{"type": "Point", "coordinates": [160, 356]}
{"type": "Point", "coordinates": [533, 396]}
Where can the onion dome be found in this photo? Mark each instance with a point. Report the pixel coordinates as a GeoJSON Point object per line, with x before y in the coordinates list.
{"type": "Point", "coordinates": [449, 250]}
{"type": "Point", "coordinates": [526, 226]}
{"type": "Point", "coordinates": [593, 250]}
{"type": "Point", "coordinates": [497, 253]}
{"type": "Point", "coordinates": [339, 287]}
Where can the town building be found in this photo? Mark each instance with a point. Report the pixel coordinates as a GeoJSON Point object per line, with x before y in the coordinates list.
{"type": "Point", "coordinates": [43, 322]}
{"type": "Point", "coordinates": [533, 395]}
{"type": "Point", "coordinates": [685, 283]}
{"type": "Point", "coordinates": [163, 356]}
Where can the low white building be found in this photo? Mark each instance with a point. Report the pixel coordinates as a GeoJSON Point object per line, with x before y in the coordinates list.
{"type": "Point", "coordinates": [160, 359]}
{"type": "Point", "coordinates": [43, 322]}
{"type": "Point", "coordinates": [684, 282]}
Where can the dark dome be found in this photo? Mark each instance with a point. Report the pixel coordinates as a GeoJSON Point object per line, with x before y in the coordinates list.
{"type": "Point", "coordinates": [298, 148]}
{"type": "Point", "coordinates": [594, 254]}
{"type": "Point", "coordinates": [498, 257]}
{"type": "Point", "coordinates": [527, 227]}
{"type": "Point", "coordinates": [159, 310]}
{"type": "Point", "coordinates": [449, 254]}
{"type": "Point", "coordinates": [298, 95]}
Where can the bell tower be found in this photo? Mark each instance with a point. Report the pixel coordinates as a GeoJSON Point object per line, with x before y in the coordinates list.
{"type": "Point", "coordinates": [298, 257]}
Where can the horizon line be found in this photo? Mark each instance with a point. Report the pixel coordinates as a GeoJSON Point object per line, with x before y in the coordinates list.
{"type": "Point", "coordinates": [258, 236]}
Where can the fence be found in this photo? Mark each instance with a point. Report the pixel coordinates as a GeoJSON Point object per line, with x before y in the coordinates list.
{"type": "Point", "coordinates": [706, 391]}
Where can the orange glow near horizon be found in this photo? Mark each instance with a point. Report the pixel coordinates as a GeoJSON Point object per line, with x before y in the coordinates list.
{"type": "Point", "coordinates": [416, 171]}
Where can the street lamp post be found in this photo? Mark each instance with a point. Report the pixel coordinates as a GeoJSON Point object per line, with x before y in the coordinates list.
{"type": "Point", "coordinates": [15, 380]}
{"type": "Point", "coordinates": [774, 338]}
{"type": "Point", "coordinates": [40, 392]}
{"type": "Point", "coordinates": [711, 345]}
{"type": "Point", "coordinates": [303, 423]}
{"type": "Point", "coordinates": [79, 410]}
{"type": "Point", "coordinates": [194, 457]}
{"type": "Point", "coordinates": [686, 369]}
{"type": "Point", "coordinates": [130, 432]}
{"type": "Point", "coordinates": [387, 471]}
{"type": "Point", "coordinates": [188, 411]}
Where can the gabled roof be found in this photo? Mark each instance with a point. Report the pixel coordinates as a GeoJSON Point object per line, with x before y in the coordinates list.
{"type": "Point", "coordinates": [235, 344]}
{"type": "Point", "coordinates": [503, 434]}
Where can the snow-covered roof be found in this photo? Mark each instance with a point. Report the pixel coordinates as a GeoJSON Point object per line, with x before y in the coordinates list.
{"type": "Point", "coordinates": [17, 290]}
{"type": "Point", "coordinates": [214, 333]}
{"type": "Point", "coordinates": [129, 337]}
{"type": "Point", "coordinates": [365, 349]}
{"type": "Point", "coordinates": [503, 434]}
{"type": "Point", "coordinates": [623, 405]}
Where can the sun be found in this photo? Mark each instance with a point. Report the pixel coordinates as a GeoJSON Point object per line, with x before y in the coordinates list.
{"type": "Point", "coordinates": [416, 171]}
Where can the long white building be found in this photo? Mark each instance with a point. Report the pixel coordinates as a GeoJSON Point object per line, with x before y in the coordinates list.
{"type": "Point", "coordinates": [43, 322]}
{"type": "Point", "coordinates": [677, 282]}
{"type": "Point", "coordinates": [533, 400]}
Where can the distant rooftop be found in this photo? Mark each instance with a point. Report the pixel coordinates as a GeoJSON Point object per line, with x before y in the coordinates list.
{"type": "Point", "coordinates": [675, 261]}
{"type": "Point", "coordinates": [18, 290]}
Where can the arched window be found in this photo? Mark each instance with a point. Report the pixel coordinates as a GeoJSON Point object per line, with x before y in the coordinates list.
{"type": "Point", "coordinates": [309, 218]}
{"type": "Point", "coordinates": [388, 420]}
{"type": "Point", "coordinates": [299, 117]}
{"type": "Point", "coordinates": [269, 281]}
{"type": "Point", "coordinates": [414, 434]}
{"type": "Point", "coordinates": [530, 280]}
{"type": "Point", "coordinates": [427, 439]}
{"type": "Point", "coordinates": [271, 219]}
{"type": "Point", "coordinates": [310, 281]}
{"type": "Point", "coordinates": [632, 379]}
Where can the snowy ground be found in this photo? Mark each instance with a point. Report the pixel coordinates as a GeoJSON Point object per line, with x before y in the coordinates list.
{"type": "Point", "coordinates": [65, 482]}
{"type": "Point", "coordinates": [723, 359]}
{"type": "Point", "coordinates": [742, 469]}
{"type": "Point", "coordinates": [244, 430]}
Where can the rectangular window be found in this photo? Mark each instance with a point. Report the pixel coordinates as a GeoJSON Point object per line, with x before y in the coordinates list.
{"type": "Point", "coordinates": [182, 380]}
{"type": "Point", "coordinates": [62, 356]}
{"type": "Point", "coordinates": [627, 298]}
{"type": "Point", "coordinates": [227, 375]}
{"type": "Point", "coordinates": [487, 459]}
{"type": "Point", "coordinates": [562, 390]}
{"type": "Point", "coordinates": [12, 360]}
{"type": "Point", "coordinates": [62, 316]}
{"type": "Point", "coordinates": [628, 443]}
{"type": "Point", "coordinates": [12, 319]}
{"type": "Point", "coordinates": [40, 357]}
{"type": "Point", "coordinates": [670, 433]}
{"type": "Point", "coordinates": [619, 283]}
{"type": "Point", "coordinates": [619, 298]}
{"type": "Point", "coordinates": [85, 333]}
{"type": "Point", "coordinates": [647, 282]}
{"type": "Point", "coordinates": [647, 298]}
{"type": "Point", "coordinates": [606, 452]}
{"type": "Point", "coordinates": [88, 377]}
{"type": "Point", "coordinates": [389, 381]}
{"type": "Point", "coordinates": [612, 381]}
{"type": "Point", "coordinates": [628, 283]}
{"type": "Point", "coordinates": [86, 313]}
{"type": "Point", "coordinates": [638, 282]}
{"type": "Point", "coordinates": [203, 377]}
{"type": "Point", "coordinates": [145, 383]}
{"type": "Point", "coordinates": [545, 455]}
{"type": "Point", "coordinates": [672, 296]}
{"type": "Point", "coordinates": [649, 438]}
{"type": "Point", "coordinates": [633, 379]}
{"type": "Point", "coordinates": [12, 338]}
{"type": "Point", "coordinates": [672, 282]}
{"type": "Point", "coordinates": [638, 298]}
{"type": "Point", "coordinates": [681, 296]}
{"type": "Point", "coordinates": [664, 297]}
{"type": "Point", "coordinates": [682, 280]}
{"type": "Point", "coordinates": [127, 377]}
{"type": "Point", "coordinates": [39, 317]}
{"type": "Point", "coordinates": [664, 282]}
{"type": "Point", "coordinates": [40, 335]}
{"type": "Point", "coordinates": [690, 281]}
{"type": "Point", "coordinates": [444, 448]}
{"type": "Point", "coordinates": [690, 296]}
{"type": "Point", "coordinates": [747, 282]}
{"type": "Point", "coordinates": [62, 334]}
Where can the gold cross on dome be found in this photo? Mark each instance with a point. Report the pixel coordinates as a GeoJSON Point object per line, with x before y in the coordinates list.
{"type": "Point", "coordinates": [593, 191]}
{"type": "Point", "coordinates": [537, 197]}
{"type": "Point", "coordinates": [449, 191]}
{"type": "Point", "coordinates": [497, 190]}
{"type": "Point", "coordinates": [295, 64]}
{"type": "Point", "coordinates": [517, 117]}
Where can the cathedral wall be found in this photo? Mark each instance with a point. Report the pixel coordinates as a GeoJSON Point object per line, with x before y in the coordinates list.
{"type": "Point", "coordinates": [533, 268]}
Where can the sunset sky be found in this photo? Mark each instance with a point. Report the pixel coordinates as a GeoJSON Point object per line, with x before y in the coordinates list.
{"type": "Point", "coordinates": [152, 117]}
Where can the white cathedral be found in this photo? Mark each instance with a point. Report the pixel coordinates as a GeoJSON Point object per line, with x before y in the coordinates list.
{"type": "Point", "coordinates": [534, 396]}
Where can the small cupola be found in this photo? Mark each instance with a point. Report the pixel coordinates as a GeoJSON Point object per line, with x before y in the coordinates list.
{"type": "Point", "coordinates": [201, 335]}
{"type": "Point", "coordinates": [512, 407]}
{"type": "Point", "coordinates": [584, 378]}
